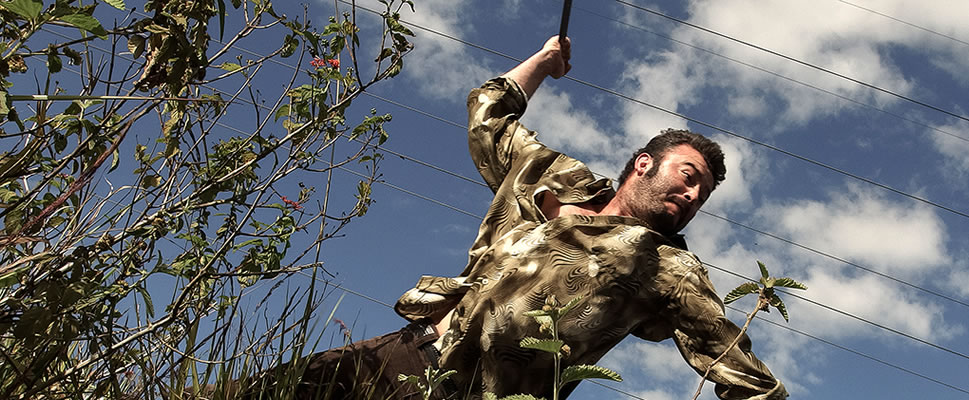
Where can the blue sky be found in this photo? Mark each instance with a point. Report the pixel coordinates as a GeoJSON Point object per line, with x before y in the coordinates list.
{"type": "Point", "coordinates": [840, 223]}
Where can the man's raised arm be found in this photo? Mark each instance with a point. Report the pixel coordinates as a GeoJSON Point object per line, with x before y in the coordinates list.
{"type": "Point", "coordinates": [552, 60]}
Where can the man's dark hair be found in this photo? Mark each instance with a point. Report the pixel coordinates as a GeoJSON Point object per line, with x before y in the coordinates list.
{"type": "Point", "coordinates": [670, 138]}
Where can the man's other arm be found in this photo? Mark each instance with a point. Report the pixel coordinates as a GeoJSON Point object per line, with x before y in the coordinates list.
{"type": "Point", "coordinates": [495, 136]}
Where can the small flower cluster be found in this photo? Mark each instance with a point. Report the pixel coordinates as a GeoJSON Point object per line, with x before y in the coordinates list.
{"type": "Point", "coordinates": [291, 203]}
{"type": "Point", "coordinates": [343, 327]}
{"type": "Point", "coordinates": [320, 63]}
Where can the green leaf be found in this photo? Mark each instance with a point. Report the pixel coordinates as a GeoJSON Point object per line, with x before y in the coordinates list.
{"type": "Point", "coordinates": [763, 270]}
{"type": "Point", "coordinates": [221, 18]}
{"type": "Point", "coordinates": [580, 372]}
{"type": "Point", "coordinates": [231, 67]}
{"type": "Point", "coordinates": [546, 345]}
{"type": "Point", "coordinates": [741, 291]}
{"type": "Point", "coordinates": [3, 104]}
{"type": "Point", "coordinates": [282, 111]}
{"type": "Point", "coordinates": [149, 306]}
{"type": "Point", "coordinates": [489, 396]}
{"type": "Point", "coordinates": [442, 376]}
{"type": "Point", "coordinates": [520, 397]}
{"type": "Point", "coordinates": [119, 4]}
{"type": "Point", "coordinates": [10, 278]}
{"type": "Point", "coordinates": [85, 22]}
{"type": "Point", "coordinates": [569, 306]}
{"type": "Point", "coordinates": [29, 9]}
{"type": "Point", "coordinates": [777, 303]}
{"type": "Point", "coordinates": [115, 156]}
{"type": "Point", "coordinates": [151, 181]}
{"type": "Point", "coordinates": [537, 313]}
{"type": "Point", "coordinates": [54, 64]}
{"type": "Point", "coordinates": [789, 283]}
{"type": "Point", "coordinates": [136, 45]}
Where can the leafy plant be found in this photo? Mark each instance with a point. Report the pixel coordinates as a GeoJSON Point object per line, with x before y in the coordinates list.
{"type": "Point", "coordinates": [152, 182]}
{"type": "Point", "coordinates": [548, 318]}
{"type": "Point", "coordinates": [766, 298]}
{"type": "Point", "coordinates": [433, 378]}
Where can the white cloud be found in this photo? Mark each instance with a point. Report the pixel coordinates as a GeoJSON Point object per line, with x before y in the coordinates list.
{"type": "Point", "coordinates": [954, 146]}
{"type": "Point", "coordinates": [572, 131]}
{"type": "Point", "coordinates": [659, 368]}
{"type": "Point", "coordinates": [864, 226]}
{"type": "Point", "coordinates": [832, 35]}
{"type": "Point", "coordinates": [441, 66]}
{"type": "Point", "coordinates": [872, 299]}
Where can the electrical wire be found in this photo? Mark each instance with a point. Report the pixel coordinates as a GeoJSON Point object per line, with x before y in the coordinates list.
{"type": "Point", "coordinates": [906, 22]}
{"type": "Point", "coordinates": [775, 74]}
{"type": "Point", "coordinates": [795, 60]}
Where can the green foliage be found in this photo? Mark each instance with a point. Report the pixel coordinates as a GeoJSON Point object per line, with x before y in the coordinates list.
{"type": "Point", "coordinates": [766, 298]}
{"type": "Point", "coordinates": [433, 378]}
{"type": "Point", "coordinates": [133, 226]}
{"type": "Point", "coordinates": [548, 318]}
{"type": "Point", "coordinates": [579, 372]}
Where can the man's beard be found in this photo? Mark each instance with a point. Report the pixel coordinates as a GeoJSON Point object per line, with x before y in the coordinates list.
{"type": "Point", "coordinates": [649, 204]}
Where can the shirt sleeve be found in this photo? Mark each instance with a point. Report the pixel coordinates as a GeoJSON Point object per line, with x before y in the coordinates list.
{"type": "Point", "coordinates": [495, 136]}
{"type": "Point", "coordinates": [702, 333]}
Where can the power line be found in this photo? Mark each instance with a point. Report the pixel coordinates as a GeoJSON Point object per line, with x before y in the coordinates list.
{"type": "Point", "coordinates": [775, 74]}
{"type": "Point", "coordinates": [795, 60]}
{"type": "Point", "coordinates": [906, 23]}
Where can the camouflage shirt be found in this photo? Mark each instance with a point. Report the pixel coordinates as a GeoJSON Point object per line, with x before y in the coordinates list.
{"type": "Point", "coordinates": [632, 280]}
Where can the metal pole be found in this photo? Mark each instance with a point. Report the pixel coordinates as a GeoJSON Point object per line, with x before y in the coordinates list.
{"type": "Point", "coordinates": [564, 28]}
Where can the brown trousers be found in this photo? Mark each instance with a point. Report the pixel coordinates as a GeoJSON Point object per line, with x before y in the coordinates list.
{"type": "Point", "coordinates": [367, 369]}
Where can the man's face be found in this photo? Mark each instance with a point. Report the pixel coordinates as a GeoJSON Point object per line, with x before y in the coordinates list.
{"type": "Point", "coordinates": [668, 193]}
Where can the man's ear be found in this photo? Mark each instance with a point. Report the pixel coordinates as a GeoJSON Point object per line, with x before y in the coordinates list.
{"type": "Point", "coordinates": [643, 163]}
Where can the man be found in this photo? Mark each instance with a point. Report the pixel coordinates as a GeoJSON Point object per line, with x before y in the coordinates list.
{"type": "Point", "coordinates": [553, 229]}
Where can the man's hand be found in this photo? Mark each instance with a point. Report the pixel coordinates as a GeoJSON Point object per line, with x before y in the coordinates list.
{"type": "Point", "coordinates": [552, 60]}
{"type": "Point", "coordinates": [556, 54]}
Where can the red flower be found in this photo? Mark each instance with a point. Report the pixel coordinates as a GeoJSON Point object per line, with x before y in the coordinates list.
{"type": "Point", "coordinates": [292, 204]}
{"type": "Point", "coordinates": [320, 63]}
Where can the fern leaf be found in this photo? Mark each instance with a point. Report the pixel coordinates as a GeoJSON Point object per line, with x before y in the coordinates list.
{"type": "Point", "coordinates": [777, 303]}
{"type": "Point", "coordinates": [740, 291]}
{"type": "Point", "coordinates": [546, 345]}
{"type": "Point", "coordinates": [442, 376]}
{"type": "Point", "coordinates": [580, 372]}
{"type": "Point", "coordinates": [521, 397]}
{"type": "Point", "coordinates": [119, 4]}
{"type": "Point", "coordinates": [789, 283]}
{"type": "Point", "coordinates": [569, 306]}
{"type": "Point", "coordinates": [763, 270]}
